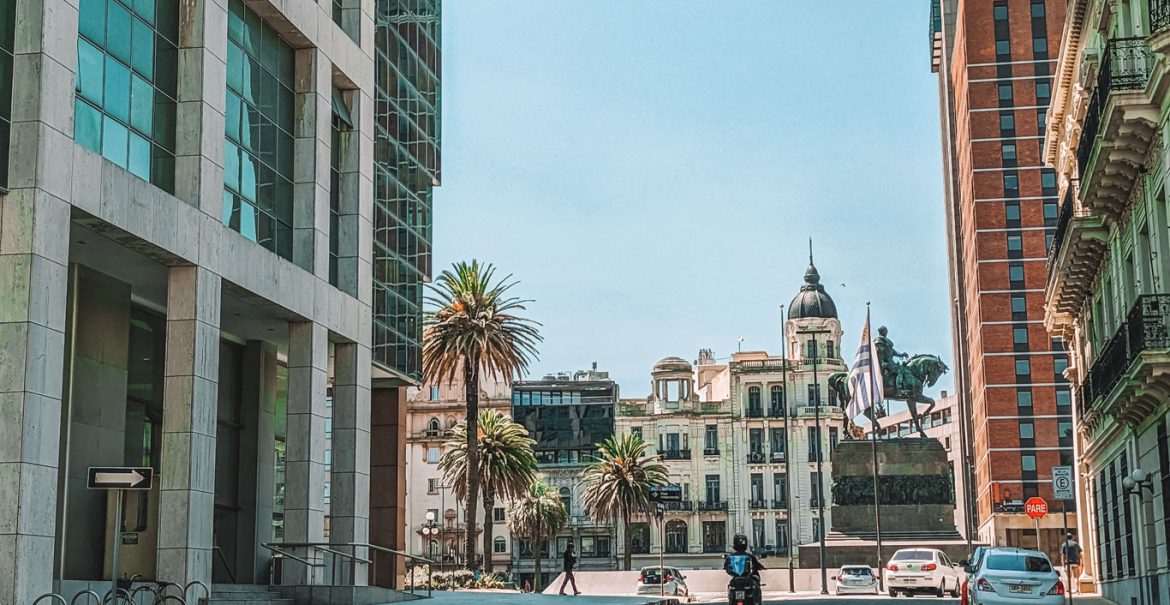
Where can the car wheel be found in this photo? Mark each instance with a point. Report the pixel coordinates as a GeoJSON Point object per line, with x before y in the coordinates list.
{"type": "Point", "coordinates": [955, 591]}
{"type": "Point", "coordinates": [893, 593]}
{"type": "Point", "coordinates": [940, 592]}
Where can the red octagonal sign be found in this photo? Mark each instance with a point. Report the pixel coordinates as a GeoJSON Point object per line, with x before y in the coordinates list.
{"type": "Point", "coordinates": [1036, 508]}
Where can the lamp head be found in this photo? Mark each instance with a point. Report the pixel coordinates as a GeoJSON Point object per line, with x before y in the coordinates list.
{"type": "Point", "coordinates": [1138, 475]}
{"type": "Point", "coordinates": [1128, 483]}
{"type": "Point", "coordinates": [430, 516]}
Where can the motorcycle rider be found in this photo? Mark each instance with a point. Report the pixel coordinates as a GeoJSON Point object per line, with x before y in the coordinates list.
{"type": "Point", "coordinates": [743, 564]}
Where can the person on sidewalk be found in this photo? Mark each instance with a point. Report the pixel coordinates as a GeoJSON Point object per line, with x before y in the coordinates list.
{"type": "Point", "coordinates": [1071, 553]}
{"type": "Point", "coordinates": [568, 563]}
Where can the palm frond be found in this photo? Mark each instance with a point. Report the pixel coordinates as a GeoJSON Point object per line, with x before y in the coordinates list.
{"type": "Point", "coordinates": [507, 465]}
{"type": "Point", "coordinates": [617, 482]}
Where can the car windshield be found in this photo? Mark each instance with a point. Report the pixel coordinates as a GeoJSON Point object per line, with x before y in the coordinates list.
{"type": "Point", "coordinates": [855, 571]}
{"type": "Point", "coordinates": [914, 555]}
{"type": "Point", "coordinates": [1021, 562]}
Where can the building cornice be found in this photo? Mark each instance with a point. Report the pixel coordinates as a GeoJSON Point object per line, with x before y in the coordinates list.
{"type": "Point", "coordinates": [1066, 87]}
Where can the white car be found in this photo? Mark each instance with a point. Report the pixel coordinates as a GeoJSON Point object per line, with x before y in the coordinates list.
{"type": "Point", "coordinates": [651, 582]}
{"type": "Point", "coordinates": [856, 579]}
{"type": "Point", "coordinates": [1007, 576]}
{"type": "Point", "coordinates": [922, 570]}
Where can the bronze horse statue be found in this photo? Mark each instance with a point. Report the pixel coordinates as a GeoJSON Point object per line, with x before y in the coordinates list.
{"type": "Point", "coordinates": [923, 371]}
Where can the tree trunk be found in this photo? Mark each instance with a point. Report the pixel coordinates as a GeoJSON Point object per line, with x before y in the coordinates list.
{"type": "Point", "coordinates": [489, 503]}
{"type": "Point", "coordinates": [537, 547]}
{"type": "Point", "coordinates": [471, 388]}
{"type": "Point", "coordinates": [627, 543]}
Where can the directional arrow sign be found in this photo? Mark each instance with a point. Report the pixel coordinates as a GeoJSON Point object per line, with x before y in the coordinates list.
{"type": "Point", "coordinates": [666, 493]}
{"type": "Point", "coordinates": [120, 477]}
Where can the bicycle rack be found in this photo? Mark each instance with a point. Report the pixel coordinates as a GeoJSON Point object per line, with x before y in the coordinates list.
{"type": "Point", "coordinates": [140, 588]}
{"type": "Point", "coordinates": [171, 597]}
{"type": "Point", "coordinates": [51, 595]}
{"type": "Point", "coordinates": [95, 595]}
{"type": "Point", "coordinates": [113, 595]}
{"type": "Point", "coordinates": [192, 584]}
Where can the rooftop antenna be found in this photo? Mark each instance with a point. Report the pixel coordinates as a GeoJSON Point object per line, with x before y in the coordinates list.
{"type": "Point", "coordinates": [810, 261]}
{"type": "Point", "coordinates": [739, 343]}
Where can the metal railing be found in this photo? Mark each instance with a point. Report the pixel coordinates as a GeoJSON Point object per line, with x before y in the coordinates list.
{"type": "Point", "coordinates": [680, 506]}
{"type": "Point", "coordinates": [776, 411]}
{"type": "Point", "coordinates": [759, 365]}
{"type": "Point", "coordinates": [710, 451]}
{"type": "Point", "coordinates": [1159, 15]}
{"type": "Point", "coordinates": [781, 504]}
{"type": "Point", "coordinates": [757, 504]}
{"type": "Point", "coordinates": [1125, 65]}
{"type": "Point", "coordinates": [1066, 215]}
{"type": "Point", "coordinates": [1147, 326]}
{"type": "Point", "coordinates": [756, 457]}
{"type": "Point", "coordinates": [712, 505]}
{"type": "Point", "coordinates": [681, 454]}
{"type": "Point", "coordinates": [755, 412]}
{"type": "Point", "coordinates": [222, 559]}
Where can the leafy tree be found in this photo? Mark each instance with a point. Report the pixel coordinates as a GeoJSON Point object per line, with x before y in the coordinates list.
{"type": "Point", "coordinates": [472, 327]}
{"type": "Point", "coordinates": [507, 466]}
{"type": "Point", "coordinates": [618, 481]}
{"type": "Point", "coordinates": [535, 516]}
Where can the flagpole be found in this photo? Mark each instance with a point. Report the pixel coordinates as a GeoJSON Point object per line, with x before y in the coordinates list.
{"type": "Point", "coordinates": [873, 432]}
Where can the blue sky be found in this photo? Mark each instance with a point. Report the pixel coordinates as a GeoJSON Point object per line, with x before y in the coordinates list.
{"type": "Point", "coordinates": [651, 170]}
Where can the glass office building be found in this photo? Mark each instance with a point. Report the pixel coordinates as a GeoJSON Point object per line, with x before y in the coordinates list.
{"type": "Point", "coordinates": [406, 170]}
{"type": "Point", "coordinates": [566, 416]}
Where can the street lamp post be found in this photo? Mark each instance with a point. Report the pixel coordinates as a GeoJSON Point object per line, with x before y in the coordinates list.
{"type": "Point", "coordinates": [430, 531]}
{"type": "Point", "coordinates": [813, 350]}
{"type": "Point", "coordinates": [787, 447]}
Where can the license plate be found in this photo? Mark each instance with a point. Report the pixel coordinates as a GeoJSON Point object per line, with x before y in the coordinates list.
{"type": "Point", "coordinates": [1024, 588]}
{"type": "Point", "coordinates": [739, 594]}
{"type": "Point", "coordinates": [911, 580]}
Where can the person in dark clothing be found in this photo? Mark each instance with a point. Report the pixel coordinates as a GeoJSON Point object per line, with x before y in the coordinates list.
{"type": "Point", "coordinates": [742, 563]}
{"type": "Point", "coordinates": [569, 561]}
{"type": "Point", "coordinates": [1070, 551]}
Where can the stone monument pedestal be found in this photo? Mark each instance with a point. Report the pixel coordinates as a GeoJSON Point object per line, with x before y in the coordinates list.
{"type": "Point", "coordinates": [917, 490]}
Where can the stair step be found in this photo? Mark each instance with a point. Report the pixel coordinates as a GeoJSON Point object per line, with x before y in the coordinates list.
{"type": "Point", "coordinates": [240, 588]}
{"type": "Point", "coordinates": [245, 595]}
{"type": "Point", "coordinates": [217, 600]}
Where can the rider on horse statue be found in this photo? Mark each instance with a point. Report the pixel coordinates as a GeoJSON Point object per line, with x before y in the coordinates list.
{"type": "Point", "coordinates": [898, 378]}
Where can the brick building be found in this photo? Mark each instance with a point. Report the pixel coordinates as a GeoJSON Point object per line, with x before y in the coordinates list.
{"type": "Point", "coordinates": [995, 62]}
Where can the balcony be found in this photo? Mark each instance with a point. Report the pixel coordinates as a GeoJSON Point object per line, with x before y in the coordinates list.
{"type": "Point", "coordinates": [757, 504]}
{"type": "Point", "coordinates": [756, 457]}
{"type": "Point", "coordinates": [1138, 359]}
{"type": "Point", "coordinates": [779, 456]}
{"type": "Point", "coordinates": [631, 408]}
{"type": "Point", "coordinates": [755, 413]}
{"type": "Point", "coordinates": [776, 411]}
{"type": "Point", "coordinates": [1078, 247]}
{"type": "Point", "coordinates": [707, 506]}
{"type": "Point", "coordinates": [1118, 129]}
{"type": "Point", "coordinates": [810, 411]}
{"type": "Point", "coordinates": [781, 504]}
{"type": "Point", "coordinates": [710, 451]}
{"type": "Point", "coordinates": [677, 454]}
{"type": "Point", "coordinates": [758, 365]}
{"type": "Point", "coordinates": [684, 506]}
{"type": "Point", "coordinates": [1159, 15]}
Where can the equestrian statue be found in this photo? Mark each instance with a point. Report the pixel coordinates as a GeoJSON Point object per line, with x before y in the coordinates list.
{"type": "Point", "coordinates": [902, 380]}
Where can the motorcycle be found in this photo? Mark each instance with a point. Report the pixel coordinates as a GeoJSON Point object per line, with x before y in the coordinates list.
{"type": "Point", "coordinates": [744, 590]}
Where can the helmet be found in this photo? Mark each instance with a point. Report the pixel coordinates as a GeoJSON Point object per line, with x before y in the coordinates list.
{"type": "Point", "coordinates": [739, 543]}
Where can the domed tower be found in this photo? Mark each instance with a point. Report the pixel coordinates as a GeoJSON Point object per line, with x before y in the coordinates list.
{"type": "Point", "coordinates": [674, 381]}
{"type": "Point", "coordinates": [812, 317]}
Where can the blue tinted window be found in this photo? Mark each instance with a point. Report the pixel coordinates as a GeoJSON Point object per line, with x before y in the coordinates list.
{"type": "Point", "coordinates": [125, 83]}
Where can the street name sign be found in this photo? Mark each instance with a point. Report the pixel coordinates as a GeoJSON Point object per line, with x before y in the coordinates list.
{"type": "Point", "coordinates": [120, 477]}
{"type": "Point", "coordinates": [666, 493]}
{"type": "Point", "coordinates": [1036, 508]}
{"type": "Point", "coordinates": [1062, 482]}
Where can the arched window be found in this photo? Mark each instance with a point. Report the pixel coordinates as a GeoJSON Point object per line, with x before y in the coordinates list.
{"type": "Point", "coordinates": [433, 548]}
{"type": "Point", "coordinates": [754, 408]}
{"type": "Point", "coordinates": [777, 408]}
{"type": "Point", "coordinates": [567, 500]}
{"type": "Point", "coordinates": [433, 428]}
{"type": "Point", "coordinates": [499, 545]}
{"type": "Point", "coordinates": [640, 538]}
{"type": "Point", "coordinates": [676, 537]}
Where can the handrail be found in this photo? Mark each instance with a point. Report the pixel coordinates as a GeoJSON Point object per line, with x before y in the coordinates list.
{"type": "Point", "coordinates": [223, 559]}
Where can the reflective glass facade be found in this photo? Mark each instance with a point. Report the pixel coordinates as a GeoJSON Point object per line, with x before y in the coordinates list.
{"type": "Point", "coordinates": [406, 168]}
{"type": "Point", "coordinates": [567, 419]}
{"type": "Point", "coordinates": [127, 61]}
{"type": "Point", "coordinates": [7, 31]}
{"type": "Point", "coordinates": [258, 124]}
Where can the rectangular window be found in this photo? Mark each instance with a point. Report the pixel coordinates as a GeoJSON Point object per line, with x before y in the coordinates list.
{"type": "Point", "coordinates": [1048, 179]}
{"type": "Point", "coordinates": [1028, 463]}
{"type": "Point", "coordinates": [756, 480]}
{"type": "Point", "coordinates": [340, 129]}
{"type": "Point", "coordinates": [432, 485]}
{"type": "Point", "coordinates": [1024, 399]}
{"type": "Point", "coordinates": [1051, 212]}
{"type": "Point", "coordinates": [711, 438]}
{"type": "Point", "coordinates": [1003, 47]}
{"type": "Point", "coordinates": [1005, 92]}
{"type": "Point", "coordinates": [499, 545]}
{"type": "Point", "coordinates": [780, 490]}
{"type": "Point", "coordinates": [1008, 151]}
{"type": "Point", "coordinates": [1001, 12]}
{"type": "Point", "coordinates": [814, 481]}
{"type": "Point", "coordinates": [1007, 121]}
{"type": "Point", "coordinates": [1043, 90]}
{"type": "Point", "coordinates": [434, 394]}
{"type": "Point", "coordinates": [1059, 365]}
{"type": "Point", "coordinates": [1019, 304]}
{"type": "Point", "coordinates": [1015, 243]}
{"type": "Point", "coordinates": [1020, 336]}
{"type": "Point", "coordinates": [755, 441]}
{"type": "Point", "coordinates": [1027, 430]}
{"type": "Point", "coordinates": [636, 431]}
{"type": "Point", "coordinates": [1063, 397]}
{"type": "Point", "coordinates": [1040, 45]}
{"type": "Point", "coordinates": [779, 439]}
{"type": "Point", "coordinates": [782, 538]}
{"type": "Point", "coordinates": [712, 488]}
{"type": "Point", "coordinates": [1011, 182]}
{"type": "Point", "coordinates": [1023, 367]}
{"type": "Point", "coordinates": [259, 120]}
{"type": "Point", "coordinates": [1016, 272]}
{"type": "Point", "coordinates": [126, 85]}
{"type": "Point", "coordinates": [1011, 211]}
{"type": "Point", "coordinates": [814, 443]}
{"type": "Point", "coordinates": [1037, 10]}
{"type": "Point", "coordinates": [814, 392]}
{"type": "Point", "coordinates": [714, 536]}
{"type": "Point", "coordinates": [433, 455]}
{"type": "Point", "coordinates": [1041, 120]}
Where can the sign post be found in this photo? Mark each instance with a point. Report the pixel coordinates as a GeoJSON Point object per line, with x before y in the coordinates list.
{"type": "Point", "coordinates": [1036, 508]}
{"type": "Point", "coordinates": [119, 479]}
{"type": "Point", "coordinates": [658, 495]}
{"type": "Point", "coordinates": [1062, 489]}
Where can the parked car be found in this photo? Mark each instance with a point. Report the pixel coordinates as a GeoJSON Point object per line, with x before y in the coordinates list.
{"type": "Point", "coordinates": [970, 564]}
{"type": "Point", "coordinates": [1007, 576]}
{"type": "Point", "coordinates": [652, 582]}
{"type": "Point", "coordinates": [856, 579]}
{"type": "Point", "coordinates": [922, 570]}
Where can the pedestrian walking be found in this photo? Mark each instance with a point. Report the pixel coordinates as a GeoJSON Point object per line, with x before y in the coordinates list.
{"type": "Point", "coordinates": [569, 561]}
{"type": "Point", "coordinates": [1071, 553]}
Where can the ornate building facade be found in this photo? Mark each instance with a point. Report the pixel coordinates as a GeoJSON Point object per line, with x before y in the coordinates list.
{"type": "Point", "coordinates": [741, 438]}
{"type": "Point", "coordinates": [1108, 270]}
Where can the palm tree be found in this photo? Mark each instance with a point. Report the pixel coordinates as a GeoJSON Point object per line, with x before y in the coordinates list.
{"type": "Point", "coordinates": [473, 328]}
{"type": "Point", "coordinates": [507, 466]}
{"type": "Point", "coordinates": [618, 481]}
{"type": "Point", "coordinates": [535, 516]}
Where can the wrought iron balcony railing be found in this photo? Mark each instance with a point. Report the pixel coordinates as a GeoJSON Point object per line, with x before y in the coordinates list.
{"type": "Point", "coordinates": [757, 504]}
{"type": "Point", "coordinates": [1066, 216]}
{"type": "Point", "coordinates": [710, 451]}
{"type": "Point", "coordinates": [677, 454]}
{"type": "Point", "coordinates": [680, 506]}
{"type": "Point", "coordinates": [1147, 326]}
{"type": "Point", "coordinates": [712, 505]}
{"type": "Point", "coordinates": [1125, 65]}
{"type": "Point", "coordinates": [776, 411]}
{"type": "Point", "coordinates": [1159, 15]}
{"type": "Point", "coordinates": [781, 504]}
{"type": "Point", "coordinates": [755, 412]}
{"type": "Point", "coordinates": [756, 458]}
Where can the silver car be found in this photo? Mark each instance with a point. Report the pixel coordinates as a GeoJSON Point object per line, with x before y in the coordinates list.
{"type": "Point", "coordinates": [856, 579]}
{"type": "Point", "coordinates": [1014, 576]}
{"type": "Point", "coordinates": [652, 581]}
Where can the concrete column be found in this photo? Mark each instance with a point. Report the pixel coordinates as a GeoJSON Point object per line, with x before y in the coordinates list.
{"type": "Point", "coordinates": [312, 132]}
{"type": "Point", "coordinates": [352, 226]}
{"type": "Point", "coordinates": [257, 462]}
{"type": "Point", "coordinates": [304, 497]}
{"type": "Point", "coordinates": [199, 115]}
{"type": "Point", "coordinates": [190, 391]}
{"type": "Point", "coordinates": [34, 252]}
{"type": "Point", "coordinates": [349, 509]}
{"type": "Point", "coordinates": [388, 479]}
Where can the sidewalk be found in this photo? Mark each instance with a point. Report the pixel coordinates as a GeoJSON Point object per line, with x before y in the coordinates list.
{"type": "Point", "coordinates": [504, 597]}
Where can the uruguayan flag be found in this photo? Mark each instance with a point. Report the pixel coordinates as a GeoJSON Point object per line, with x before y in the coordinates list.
{"type": "Point", "coordinates": [865, 378]}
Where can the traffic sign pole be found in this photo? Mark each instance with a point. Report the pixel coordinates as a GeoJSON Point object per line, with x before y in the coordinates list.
{"type": "Point", "coordinates": [117, 543]}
